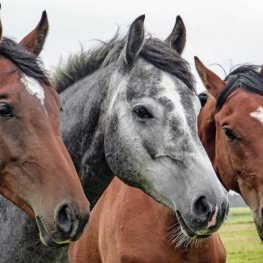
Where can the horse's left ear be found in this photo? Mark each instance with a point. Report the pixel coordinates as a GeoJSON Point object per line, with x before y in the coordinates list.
{"type": "Point", "coordinates": [135, 39]}
{"type": "Point", "coordinates": [213, 83]}
{"type": "Point", "coordinates": [177, 38]}
{"type": "Point", "coordinates": [35, 40]}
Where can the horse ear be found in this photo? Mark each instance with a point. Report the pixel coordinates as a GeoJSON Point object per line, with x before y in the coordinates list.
{"type": "Point", "coordinates": [261, 70]}
{"type": "Point", "coordinates": [211, 81]}
{"type": "Point", "coordinates": [177, 38]}
{"type": "Point", "coordinates": [35, 40]}
{"type": "Point", "coordinates": [135, 39]}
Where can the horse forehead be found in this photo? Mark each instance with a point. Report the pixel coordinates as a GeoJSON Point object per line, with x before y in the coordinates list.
{"type": "Point", "coordinates": [149, 81]}
{"type": "Point", "coordinates": [34, 88]}
{"type": "Point", "coordinates": [243, 104]}
{"type": "Point", "coordinates": [143, 81]}
{"type": "Point", "coordinates": [179, 95]}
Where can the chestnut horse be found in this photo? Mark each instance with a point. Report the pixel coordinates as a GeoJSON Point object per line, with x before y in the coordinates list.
{"type": "Point", "coordinates": [231, 127]}
{"type": "Point", "coordinates": [36, 171]}
{"type": "Point", "coordinates": [128, 226]}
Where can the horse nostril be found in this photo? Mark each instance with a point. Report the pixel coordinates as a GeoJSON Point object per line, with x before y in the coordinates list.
{"type": "Point", "coordinates": [65, 217]}
{"type": "Point", "coordinates": [201, 209]}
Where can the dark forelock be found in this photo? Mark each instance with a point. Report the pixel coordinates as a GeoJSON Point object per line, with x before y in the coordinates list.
{"type": "Point", "coordinates": [246, 77]}
{"type": "Point", "coordinates": [23, 59]}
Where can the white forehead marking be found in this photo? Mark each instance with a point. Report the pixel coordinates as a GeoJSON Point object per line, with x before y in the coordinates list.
{"type": "Point", "coordinates": [170, 89]}
{"type": "Point", "coordinates": [173, 95]}
{"type": "Point", "coordinates": [258, 114]}
{"type": "Point", "coordinates": [34, 88]}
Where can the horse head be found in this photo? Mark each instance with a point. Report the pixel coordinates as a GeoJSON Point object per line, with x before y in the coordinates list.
{"type": "Point", "coordinates": [36, 172]}
{"type": "Point", "coordinates": [230, 127]}
{"type": "Point", "coordinates": [151, 140]}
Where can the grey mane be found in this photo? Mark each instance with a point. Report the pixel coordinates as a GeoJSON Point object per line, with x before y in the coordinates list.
{"type": "Point", "coordinates": [87, 62]}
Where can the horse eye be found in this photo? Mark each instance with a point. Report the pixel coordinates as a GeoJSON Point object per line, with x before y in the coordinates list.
{"type": "Point", "coordinates": [229, 134]}
{"type": "Point", "coordinates": [142, 113]}
{"type": "Point", "coordinates": [5, 110]}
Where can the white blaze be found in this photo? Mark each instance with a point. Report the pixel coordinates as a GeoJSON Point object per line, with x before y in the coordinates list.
{"type": "Point", "coordinates": [174, 96]}
{"type": "Point", "coordinates": [34, 88]}
{"type": "Point", "coordinates": [258, 114]}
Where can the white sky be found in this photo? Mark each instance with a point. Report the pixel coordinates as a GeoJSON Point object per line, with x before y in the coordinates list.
{"type": "Point", "coordinates": [227, 32]}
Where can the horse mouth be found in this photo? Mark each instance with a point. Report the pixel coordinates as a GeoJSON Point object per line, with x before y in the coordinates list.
{"type": "Point", "coordinates": [186, 229]}
{"type": "Point", "coordinates": [46, 238]}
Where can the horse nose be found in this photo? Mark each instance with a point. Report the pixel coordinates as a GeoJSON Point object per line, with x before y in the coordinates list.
{"type": "Point", "coordinates": [202, 210]}
{"type": "Point", "coordinates": [65, 218]}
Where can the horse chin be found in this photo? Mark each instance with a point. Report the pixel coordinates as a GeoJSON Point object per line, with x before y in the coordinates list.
{"type": "Point", "coordinates": [187, 231]}
{"type": "Point", "coordinates": [46, 239]}
{"type": "Point", "coordinates": [259, 228]}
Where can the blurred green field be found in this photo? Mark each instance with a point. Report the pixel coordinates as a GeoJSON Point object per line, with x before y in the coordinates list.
{"type": "Point", "coordinates": [240, 237]}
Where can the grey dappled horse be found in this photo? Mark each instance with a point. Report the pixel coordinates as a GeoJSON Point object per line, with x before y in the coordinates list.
{"type": "Point", "coordinates": [129, 108]}
{"type": "Point", "coordinates": [135, 115]}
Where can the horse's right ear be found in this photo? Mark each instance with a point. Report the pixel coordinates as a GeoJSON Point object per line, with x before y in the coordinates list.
{"type": "Point", "coordinates": [177, 38]}
{"type": "Point", "coordinates": [135, 39]}
{"type": "Point", "coordinates": [211, 81]}
{"type": "Point", "coordinates": [35, 40]}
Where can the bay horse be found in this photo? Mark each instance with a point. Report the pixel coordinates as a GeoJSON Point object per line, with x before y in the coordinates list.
{"type": "Point", "coordinates": [230, 128]}
{"type": "Point", "coordinates": [36, 172]}
{"type": "Point", "coordinates": [126, 225]}
{"type": "Point", "coordinates": [130, 108]}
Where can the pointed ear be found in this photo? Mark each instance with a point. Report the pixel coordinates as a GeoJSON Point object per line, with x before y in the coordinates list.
{"type": "Point", "coordinates": [35, 40]}
{"type": "Point", "coordinates": [261, 70]}
{"type": "Point", "coordinates": [177, 38]}
{"type": "Point", "coordinates": [135, 39]}
{"type": "Point", "coordinates": [211, 81]}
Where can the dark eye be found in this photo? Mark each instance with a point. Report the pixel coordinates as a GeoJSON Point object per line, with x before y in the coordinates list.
{"type": "Point", "coordinates": [229, 134]}
{"type": "Point", "coordinates": [5, 110]}
{"type": "Point", "coordinates": [142, 113]}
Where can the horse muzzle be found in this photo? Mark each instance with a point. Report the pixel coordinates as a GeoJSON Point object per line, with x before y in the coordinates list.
{"type": "Point", "coordinates": [68, 227]}
{"type": "Point", "coordinates": [204, 219]}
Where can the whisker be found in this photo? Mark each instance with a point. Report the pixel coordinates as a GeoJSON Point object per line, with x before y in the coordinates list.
{"type": "Point", "coordinates": [177, 238]}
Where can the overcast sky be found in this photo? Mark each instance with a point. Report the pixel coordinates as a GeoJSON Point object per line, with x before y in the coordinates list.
{"type": "Point", "coordinates": [227, 32]}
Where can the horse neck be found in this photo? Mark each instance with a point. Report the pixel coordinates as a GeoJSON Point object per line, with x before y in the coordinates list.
{"type": "Point", "coordinates": [83, 131]}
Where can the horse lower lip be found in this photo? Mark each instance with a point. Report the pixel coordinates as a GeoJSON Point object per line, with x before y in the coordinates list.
{"type": "Point", "coordinates": [187, 230]}
{"type": "Point", "coordinates": [48, 240]}
{"type": "Point", "coordinates": [184, 226]}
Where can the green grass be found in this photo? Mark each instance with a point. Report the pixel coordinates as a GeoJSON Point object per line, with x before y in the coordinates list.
{"type": "Point", "coordinates": [240, 237]}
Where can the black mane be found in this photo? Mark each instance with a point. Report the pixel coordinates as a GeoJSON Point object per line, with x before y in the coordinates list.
{"type": "Point", "coordinates": [23, 59]}
{"type": "Point", "coordinates": [154, 51]}
{"type": "Point", "coordinates": [246, 77]}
